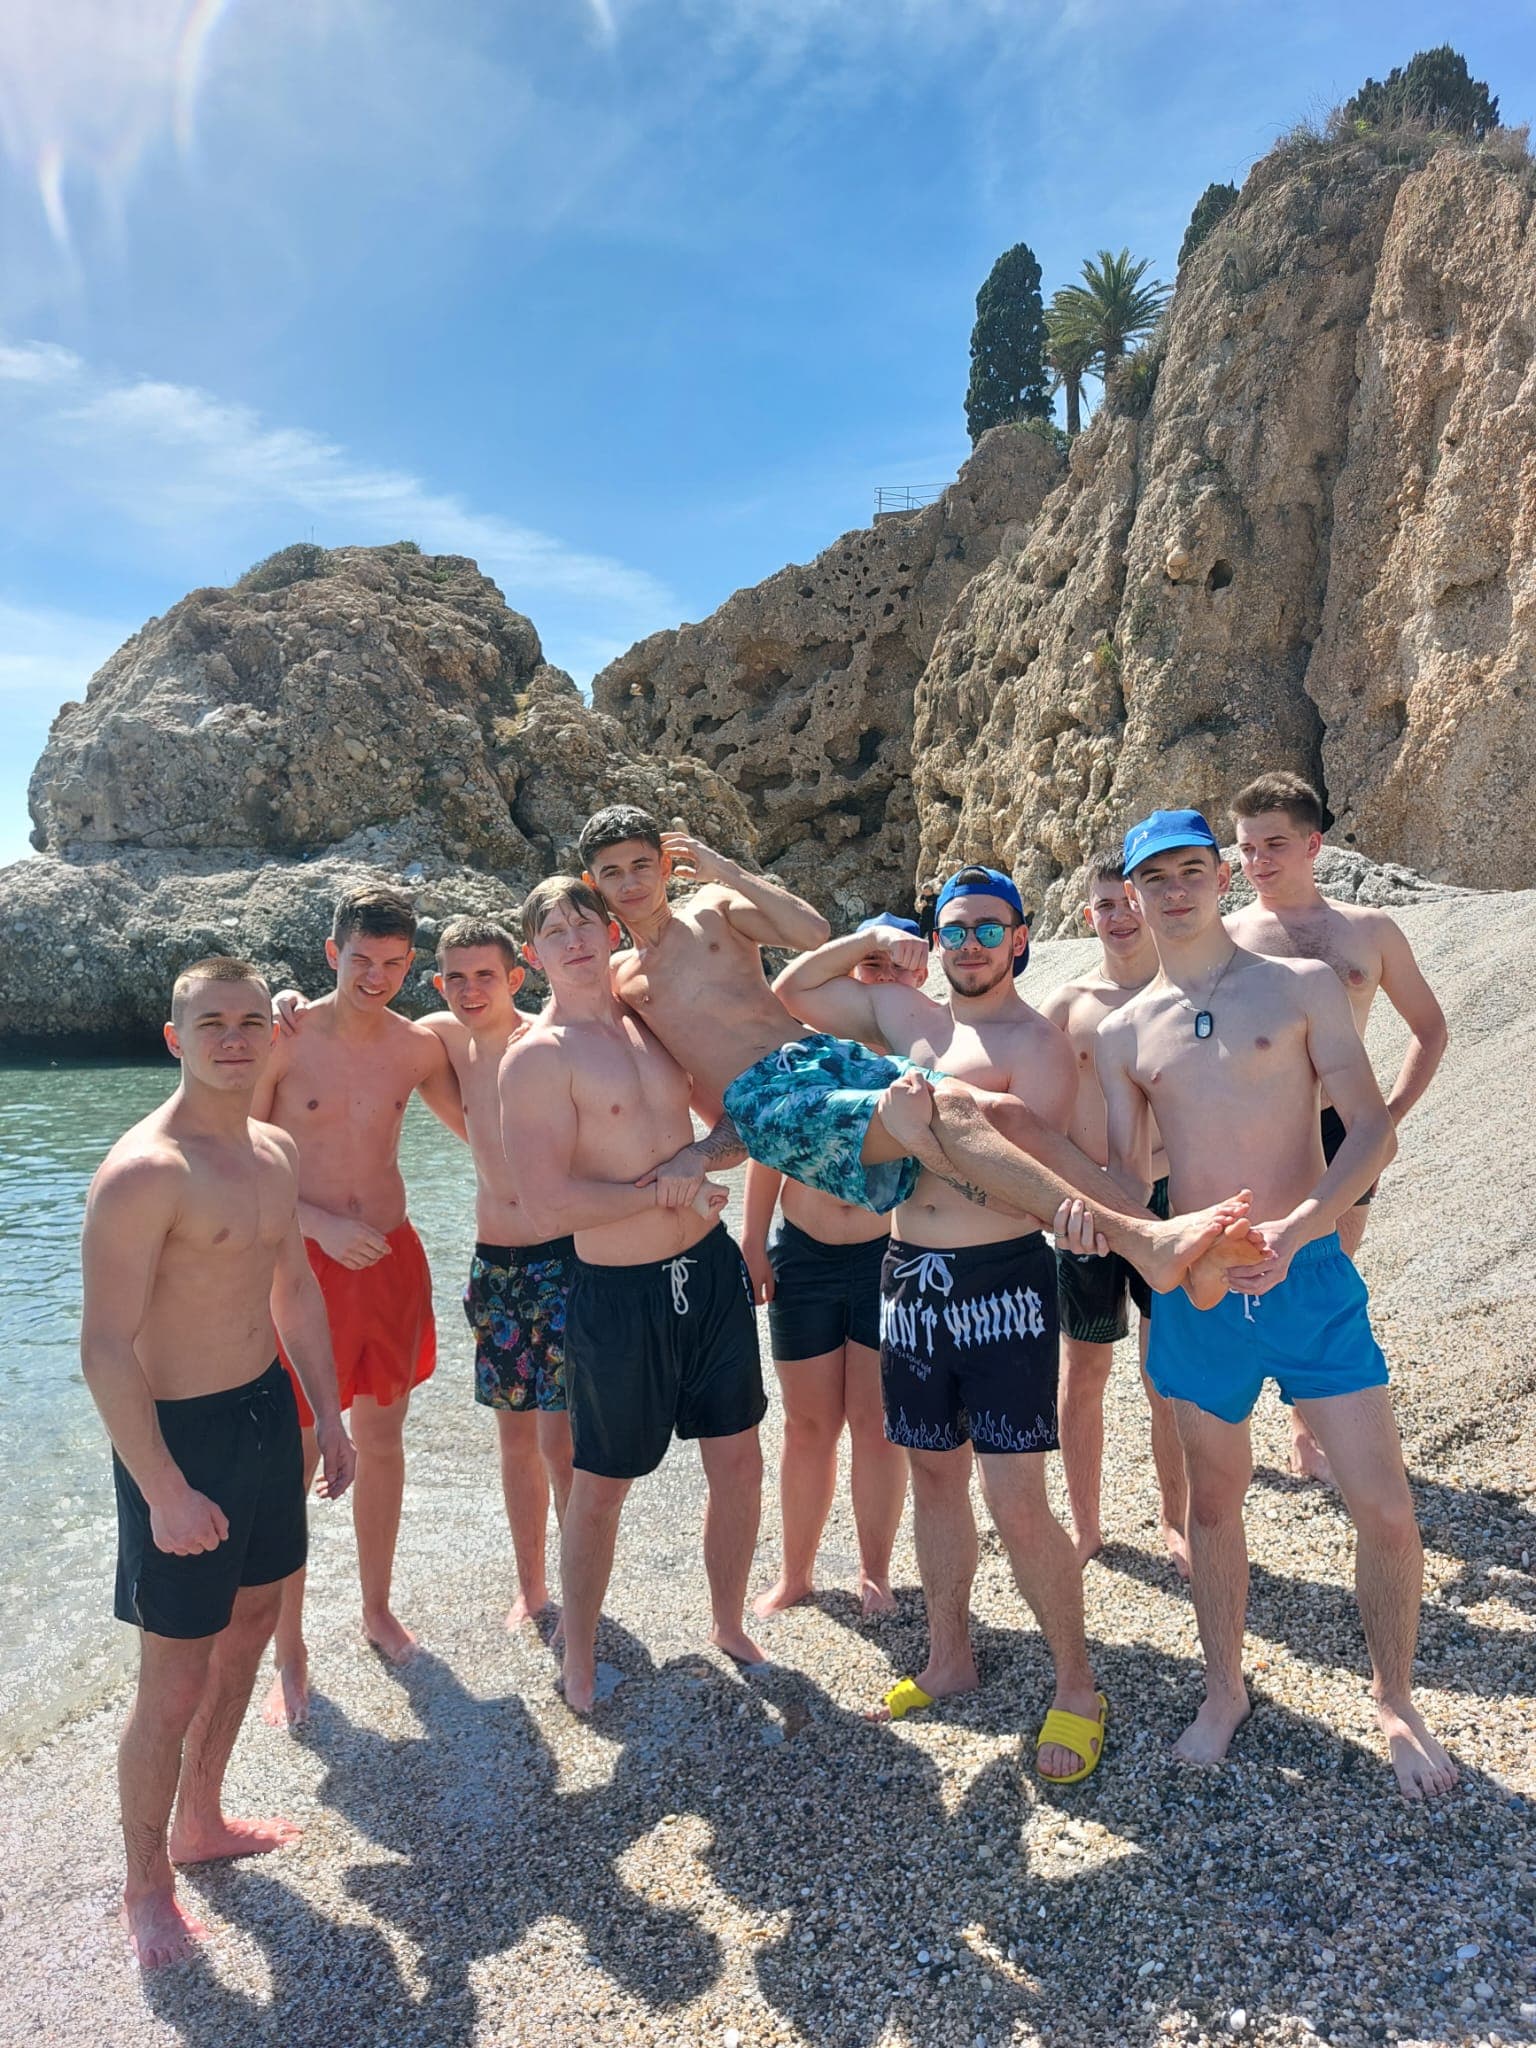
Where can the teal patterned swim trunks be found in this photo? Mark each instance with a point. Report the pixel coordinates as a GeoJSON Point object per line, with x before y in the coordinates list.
{"type": "Point", "coordinates": [806, 1108]}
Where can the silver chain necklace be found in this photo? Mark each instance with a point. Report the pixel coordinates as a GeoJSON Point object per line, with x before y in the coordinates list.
{"type": "Point", "coordinates": [1205, 1023]}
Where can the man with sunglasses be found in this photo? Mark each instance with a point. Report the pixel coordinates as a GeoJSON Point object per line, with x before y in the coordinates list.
{"type": "Point", "coordinates": [968, 1330]}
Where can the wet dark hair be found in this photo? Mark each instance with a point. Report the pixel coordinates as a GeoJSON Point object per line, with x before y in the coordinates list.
{"type": "Point", "coordinates": [545, 897]}
{"type": "Point", "coordinates": [216, 967]}
{"type": "Point", "coordinates": [1281, 791]}
{"type": "Point", "coordinates": [374, 914]}
{"type": "Point", "coordinates": [614, 825]}
{"type": "Point", "coordinates": [459, 933]}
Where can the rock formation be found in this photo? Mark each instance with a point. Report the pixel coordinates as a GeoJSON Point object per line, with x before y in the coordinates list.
{"type": "Point", "coordinates": [799, 690]}
{"type": "Point", "coordinates": [1300, 533]}
{"type": "Point", "coordinates": [338, 717]}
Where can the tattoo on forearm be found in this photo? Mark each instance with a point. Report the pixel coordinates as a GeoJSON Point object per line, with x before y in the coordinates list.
{"type": "Point", "coordinates": [721, 1144]}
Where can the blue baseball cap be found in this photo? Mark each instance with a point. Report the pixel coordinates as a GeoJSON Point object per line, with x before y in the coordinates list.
{"type": "Point", "coordinates": [1162, 832]}
{"type": "Point", "coordinates": [909, 925]}
{"type": "Point", "coordinates": [980, 881]}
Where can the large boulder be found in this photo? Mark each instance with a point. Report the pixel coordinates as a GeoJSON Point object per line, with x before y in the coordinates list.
{"type": "Point", "coordinates": [799, 690]}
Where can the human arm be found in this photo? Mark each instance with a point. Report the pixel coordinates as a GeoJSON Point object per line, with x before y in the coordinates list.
{"type": "Point", "coordinates": [129, 1213]}
{"type": "Point", "coordinates": [819, 988]}
{"type": "Point", "coordinates": [1127, 1112]}
{"type": "Point", "coordinates": [759, 1201]}
{"type": "Point", "coordinates": [1404, 986]}
{"type": "Point", "coordinates": [759, 907]}
{"type": "Point", "coordinates": [438, 1084]}
{"type": "Point", "coordinates": [298, 1313]}
{"type": "Point", "coordinates": [679, 1181]}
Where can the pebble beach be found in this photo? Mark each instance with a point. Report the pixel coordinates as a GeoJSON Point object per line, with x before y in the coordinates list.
{"type": "Point", "coordinates": [738, 1857]}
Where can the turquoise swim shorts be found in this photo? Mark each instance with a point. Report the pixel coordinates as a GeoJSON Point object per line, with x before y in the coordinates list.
{"type": "Point", "coordinates": [1311, 1335]}
{"type": "Point", "coordinates": [805, 1110]}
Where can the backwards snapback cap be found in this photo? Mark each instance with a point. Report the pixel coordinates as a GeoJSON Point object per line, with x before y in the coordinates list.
{"type": "Point", "coordinates": [980, 881]}
{"type": "Point", "coordinates": [1164, 831]}
{"type": "Point", "coordinates": [909, 925]}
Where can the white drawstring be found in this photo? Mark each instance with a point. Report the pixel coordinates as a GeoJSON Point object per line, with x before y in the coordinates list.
{"type": "Point", "coordinates": [1248, 1301]}
{"type": "Point", "coordinates": [932, 1270]}
{"type": "Point", "coordinates": [677, 1270]}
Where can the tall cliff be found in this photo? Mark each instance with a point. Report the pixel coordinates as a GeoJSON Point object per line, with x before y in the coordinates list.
{"type": "Point", "coordinates": [339, 716]}
{"type": "Point", "coordinates": [1309, 543]}
{"type": "Point", "coordinates": [799, 690]}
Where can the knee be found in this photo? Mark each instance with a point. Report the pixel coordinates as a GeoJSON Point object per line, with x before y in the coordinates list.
{"type": "Point", "coordinates": [255, 1616]}
{"type": "Point", "coordinates": [1086, 1367]}
{"type": "Point", "coordinates": [1386, 1518]}
{"type": "Point", "coordinates": [1214, 1501]}
{"type": "Point", "coordinates": [170, 1701]}
{"type": "Point", "coordinates": [811, 1433]}
{"type": "Point", "coordinates": [736, 1461]}
{"type": "Point", "coordinates": [939, 1477]}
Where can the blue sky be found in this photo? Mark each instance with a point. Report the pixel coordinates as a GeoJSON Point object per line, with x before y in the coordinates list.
{"type": "Point", "coordinates": [633, 300]}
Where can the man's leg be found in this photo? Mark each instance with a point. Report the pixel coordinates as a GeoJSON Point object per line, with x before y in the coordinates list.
{"type": "Point", "coordinates": [1219, 1460]}
{"type": "Point", "coordinates": [200, 1832]}
{"type": "Point", "coordinates": [287, 1702]}
{"type": "Point", "coordinates": [587, 1538]}
{"type": "Point", "coordinates": [878, 1476]}
{"type": "Point", "coordinates": [1359, 1435]}
{"type": "Point", "coordinates": [1168, 1463]}
{"type": "Point", "coordinates": [1308, 1460]}
{"type": "Point", "coordinates": [172, 1677]}
{"type": "Point", "coordinates": [1080, 1421]}
{"type": "Point", "coordinates": [813, 1422]}
{"type": "Point", "coordinates": [378, 1431]}
{"type": "Point", "coordinates": [1047, 1573]}
{"type": "Point", "coordinates": [555, 1450]}
{"type": "Point", "coordinates": [525, 1490]}
{"type": "Point", "coordinates": [733, 1473]}
{"type": "Point", "coordinates": [944, 1535]}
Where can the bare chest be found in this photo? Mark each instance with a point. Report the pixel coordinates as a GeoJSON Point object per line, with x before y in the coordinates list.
{"type": "Point", "coordinates": [1251, 1052]}
{"type": "Point", "coordinates": [232, 1209]}
{"type": "Point", "coordinates": [1331, 938]}
{"type": "Point", "coordinates": [331, 1091]}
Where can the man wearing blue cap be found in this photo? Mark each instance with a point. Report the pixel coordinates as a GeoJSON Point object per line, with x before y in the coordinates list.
{"type": "Point", "coordinates": [968, 1329]}
{"type": "Point", "coordinates": [1229, 1050]}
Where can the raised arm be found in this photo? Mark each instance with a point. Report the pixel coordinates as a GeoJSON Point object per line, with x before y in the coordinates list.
{"type": "Point", "coordinates": [757, 906]}
{"type": "Point", "coordinates": [819, 988]}
{"type": "Point", "coordinates": [539, 1132]}
{"type": "Point", "coordinates": [1404, 986]}
{"type": "Point", "coordinates": [129, 1213]}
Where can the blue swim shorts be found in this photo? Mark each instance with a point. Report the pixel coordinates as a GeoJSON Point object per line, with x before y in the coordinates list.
{"type": "Point", "coordinates": [805, 1109]}
{"type": "Point", "coordinates": [1311, 1335]}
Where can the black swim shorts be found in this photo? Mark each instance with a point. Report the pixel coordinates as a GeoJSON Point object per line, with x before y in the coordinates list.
{"type": "Point", "coordinates": [824, 1295]}
{"type": "Point", "coordinates": [968, 1346]}
{"type": "Point", "coordinates": [663, 1347]}
{"type": "Point", "coordinates": [1334, 1133]}
{"type": "Point", "coordinates": [515, 1304]}
{"type": "Point", "coordinates": [241, 1448]}
{"type": "Point", "coordinates": [1092, 1292]}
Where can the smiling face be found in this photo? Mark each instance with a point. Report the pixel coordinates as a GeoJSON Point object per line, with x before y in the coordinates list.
{"type": "Point", "coordinates": [478, 986]}
{"type": "Point", "coordinates": [1277, 853]}
{"type": "Point", "coordinates": [1113, 916]}
{"type": "Point", "coordinates": [223, 1034]}
{"type": "Point", "coordinates": [974, 969]}
{"type": "Point", "coordinates": [631, 877]}
{"type": "Point", "coordinates": [571, 947]}
{"type": "Point", "coordinates": [1178, 893]}
{"type": "Point", "coordinates": [370, 972]}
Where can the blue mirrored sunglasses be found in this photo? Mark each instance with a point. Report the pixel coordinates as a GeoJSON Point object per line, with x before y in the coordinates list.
{"type": "Point", "coordinates": [991, 932]}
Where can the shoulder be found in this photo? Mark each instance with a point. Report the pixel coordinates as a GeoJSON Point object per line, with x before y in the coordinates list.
{"type": "Point", "coordinates": [145, 1165]}
{"type": "Point", "coordinates": [903, 1015]}
{"type": "Point", "coordinates": [541, 1050]}
{"type": "Point", "coordinates": [1038, 1040]}
{"type": "Point", "coordinates": [442, 1024]}
{"type": "Point", "coordinates": [1301, 981]}
{"type": "Point", "coordinates": [1059, 1004]}
{"type": "Point", "coordinates": [272, 1139]}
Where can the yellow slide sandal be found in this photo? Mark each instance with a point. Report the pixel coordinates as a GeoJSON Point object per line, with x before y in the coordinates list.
{"type": "Point", "coordinates": [905, 1697]}
{"type": "Point", "coordinates": [1076, 1732]}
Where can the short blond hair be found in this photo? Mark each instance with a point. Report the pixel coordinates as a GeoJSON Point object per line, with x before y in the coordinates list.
{"type": "Point", "coordinates": [545, 897]}
{"type": "Point", "coordinates": [225, 967]}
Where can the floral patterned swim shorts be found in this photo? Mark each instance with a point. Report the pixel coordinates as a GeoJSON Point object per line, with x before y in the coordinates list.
{"type": "Point", "coordinates": [806, 1109]}
{"type": "Point", "coordinates": [515, 1304]}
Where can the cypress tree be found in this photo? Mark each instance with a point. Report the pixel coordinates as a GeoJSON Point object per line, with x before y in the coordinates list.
{"type": "Point", "coordinates": [1009, 380]}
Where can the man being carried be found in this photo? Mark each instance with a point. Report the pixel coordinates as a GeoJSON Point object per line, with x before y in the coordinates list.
{"type": "Point", "coordinates": [968, 1331]}
{"type": "Point", "coordinates": [515, 1300]}
{"type": "Point", "coordinates": [822, 1109]}
{"type": "Point", "coordinates": [659, 1332]}
{"type": "Point", "coordinates": [1230, 1050]}
{"type": "Point", "coordinates": [192, 1260]}
{"type": "Point", "coordinates": [1279, 821]}
{"type": "Point", "coordinates": [1093, 1291]}
{"type": "Point", "coordinates": [339, 1088]}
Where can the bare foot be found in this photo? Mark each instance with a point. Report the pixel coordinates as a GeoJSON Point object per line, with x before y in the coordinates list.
{"type": "Point", "coordinates": [939, 1685]}
{"type": "Point", "coordinates": [218, 1839]}
{"type": "Point", "coordinates": [1164, 1252]}
{"type": "Point", "coordinates": [1308, 1458]}
{"type": "Point", "coordinates": [287, 1703]}
{"type": "Point", "coordinates": [527, 1605]}
{"type": "Point", "coordinates": [391, 1638]}
{"type": "Point", "coordinates": [1055, 1760]}
{"type": "Point", "coordinates": [1422, 1766]}
{"type": "Point", "coordinates": [1236, 1245]}
{"type": "Point", "coordinates": [1177, 1547]}
{"type": "Point", "coordinates": [1206, 1738]}
{"type": "Point", "coordinates": [577, 1684]}
{"type": "Point", "coordinates": [736, 1643]}
{"type": "Point", "coordinates": [781, 1594]}
{"type": "Point", "coordinates": [875, 1596]}
{"type": "Point", "coordinates": [159, 1930]}
{"type": "Point", "coordinates": [1087, 1543]}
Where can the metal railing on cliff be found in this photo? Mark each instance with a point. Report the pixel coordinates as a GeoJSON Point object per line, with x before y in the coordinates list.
{"type": "Point", "coordinates": [905, 497]}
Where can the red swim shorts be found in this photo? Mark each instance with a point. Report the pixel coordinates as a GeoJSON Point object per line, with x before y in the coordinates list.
{"type": "Point", "coordinates": [382, 1329]}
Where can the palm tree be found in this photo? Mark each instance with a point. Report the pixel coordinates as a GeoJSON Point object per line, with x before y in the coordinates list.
{"type": "Point", "coordinates": [1069, 355]}
{"type": "Point", "coordinates": [1111, 307]}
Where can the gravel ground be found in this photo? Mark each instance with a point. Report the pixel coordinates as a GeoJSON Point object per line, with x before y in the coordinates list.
{"type": "Point", "coordinates": [741, 1859]}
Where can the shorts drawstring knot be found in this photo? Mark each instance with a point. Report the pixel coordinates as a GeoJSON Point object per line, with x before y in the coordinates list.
{"type": "Point", "coordinates": [932, 1269]}
{"type": "Point", "coordinates": [677, 1273]}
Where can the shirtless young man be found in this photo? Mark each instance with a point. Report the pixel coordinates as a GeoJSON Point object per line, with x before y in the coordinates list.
{"type": "Point", "coordinates": [1093, 1292]}
{"type": "Point", "coordinates": [1279, 821]}
{"type": "Point", "coordinates": [659, 1331]}
{"type": "Point", "coordinates": [1229, 1051]}
{"type": "Point", "coordinates": [820, 1279]}
{"type": "Point", "coordinates": [515, 1300]}
{"type": "Point", "coordinates": [339, 1088]}
{"type": "Point", "coordinates": [192, 1262]}
{"type": "Point", "coordinates": [824, 1110]}
{"type": "Point", "coordinates": [968, 1331]}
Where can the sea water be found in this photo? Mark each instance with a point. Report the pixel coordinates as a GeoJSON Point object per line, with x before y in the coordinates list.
{"type": "Point", "coordinates": [59, 1646]}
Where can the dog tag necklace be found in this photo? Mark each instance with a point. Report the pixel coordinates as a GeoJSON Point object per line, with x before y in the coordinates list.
{"type": "Point", "coordinates": [1205, 1023]}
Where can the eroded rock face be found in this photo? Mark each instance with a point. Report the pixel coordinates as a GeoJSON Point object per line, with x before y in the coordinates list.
{"type": "Point", "coordinates": [243, 761]}
{"type": "Point", "coordinates": [1248, 575]}
{"type": "Point", "coordinates": [799, 690]}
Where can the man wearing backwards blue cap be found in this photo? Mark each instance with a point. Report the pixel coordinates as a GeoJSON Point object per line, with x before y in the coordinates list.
{"type": "Point", "coordinates": [968, 1330]}
{"type": "Point", "coordinates": [1230, 1049]}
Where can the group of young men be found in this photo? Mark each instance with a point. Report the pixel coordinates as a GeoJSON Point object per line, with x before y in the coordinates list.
{"type": "Point", "coordinates": [250, 1273]}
